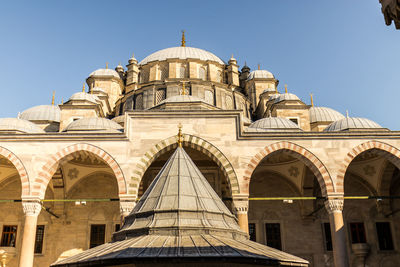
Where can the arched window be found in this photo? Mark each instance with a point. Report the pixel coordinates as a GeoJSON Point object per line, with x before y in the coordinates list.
{"type": "Point", "coordinates": [163, 73]}
{"type": "Point", "coordinates": [160, 95]}
{"type": "Point", "coordinates": [128, 104]}
{"type": "Point", "coordinates": [209, 97]}
{"type": "Point", "coordinates": [229, 102]}
{"type": "Point", "coordinates": [139, 102]}
{"type": "Point", "coordinates": [202, 73]}
{"type": "Point", "coordinates": [182, 72]}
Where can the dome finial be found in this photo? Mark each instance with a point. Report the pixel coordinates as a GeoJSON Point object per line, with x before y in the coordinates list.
{"type": "Point", "coordinates": [183, 42]}
{"type": "Point", "coordinates": [83, 88]}
{"type": "Point", "coordinates": [347, 113]}
{"type": "Point", "coordinates": [286, 89]}
{"type": "Point", "coordinates": [52, 99]}
{"type": "Point", "coordinates": [62, 101]}
{"type": "Point", "coordinates": [106, 65]}
{"type": "Point", "coordinates": [180, 135]}
{"type": "Point", "coordinates": [259, 66]}
{"type": "Point", "coordinates": [312, 100]}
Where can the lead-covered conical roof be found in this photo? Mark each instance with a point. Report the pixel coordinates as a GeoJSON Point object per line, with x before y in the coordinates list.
{"type": "Point", "coordinates": [180, 198]}
{"type": "Point", "coordinates": [180, 220]}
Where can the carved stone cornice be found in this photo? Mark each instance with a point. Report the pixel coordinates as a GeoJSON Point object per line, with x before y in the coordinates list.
{"type": "Point", "coordinates": [31, 208]}
{"type": "Point", "coordinates": [334, 205]}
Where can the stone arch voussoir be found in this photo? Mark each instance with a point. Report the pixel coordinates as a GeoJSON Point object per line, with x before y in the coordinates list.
{"type": "Point", "coordinates": [299, 152]}
{"type": "Point", "coordinates": [25, 183]}
{"type": "Point", "coordinates": [66, 154]}
{"type": "Point", "coordinates": [191, 141]}
{"type": "Point", "coordinates": [391, 153]}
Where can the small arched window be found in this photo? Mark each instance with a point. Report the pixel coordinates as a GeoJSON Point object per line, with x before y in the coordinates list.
{"type": "Point", "coordinates": [139, 102]}
{"type": "Point", "coordinates": [209, 97]}
{"type": "Point", "coordinates": [202, 73]}
{"type": "Point", "coordinates": [160, 95]}
{"type": "Point", "coordinates": [182, 72]}
{"type": "Point", "coordinates": [163, 73]}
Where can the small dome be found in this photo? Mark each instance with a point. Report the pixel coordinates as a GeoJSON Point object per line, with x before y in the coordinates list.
{"type": "Point", "coordinates": [181, 53]}
{"type": "Point", "coordinates": [42, 113]}
{"type": "Point", "coordinates": [105, 73]}
{"type": "Point", "coordinates": [83, 96]}
{"type": "Point", "coordinates": [273, 97]}
{"type": "Point", "coordinates": [273, 124]}
{"type": "Point", "coordinates": [93, 124]}
{"type": "Point", "coordinates": [285, 97]}
{"type": "Point", "coordinates": [260, 74]}
{"type": "Point", "coordinates": [18, 125]}
{"type": "Point", "coordinates": [182, 98]}
{"type": "Point", "coordinates": [98, 90]}
{"type": "Point", "coordinates": [352, 123]}
{"type": "Point", "coordinates": [268, 90]}
{"type": "Point", "coordinates": [323, 114]}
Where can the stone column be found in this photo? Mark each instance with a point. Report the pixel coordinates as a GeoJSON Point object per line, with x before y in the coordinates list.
{"type": "Point", "coordinates": [240, 206]}
{"type": "Point", "coordinates": [335, 208]}
{"type": "Point", "coordinates": [31, 210]}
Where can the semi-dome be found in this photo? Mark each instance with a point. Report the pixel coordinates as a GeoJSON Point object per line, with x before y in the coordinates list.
{"type": "Point", "coordinates": [19, 126]}
{"type": "Point", "coordinates": [286, 97]}
{"type": "Point", "coordinates": [42, 113]}
{"type": "Point", "coordinates": [181, 52]}
{"type": "Point", "coordinates": [273, 124]}
{"type": "Point", "coordinates": [352, 123]}
{"type": "Point", "coordinates": [93, 124]}
{"type": "Point", "coordinates": [324, 114]}
{"type": "Point", "coordinates": [260, 74]}
{"type": "Point", "coordinates": [105, 73]}
{"type": "Point", "coordinates": [83, 96]}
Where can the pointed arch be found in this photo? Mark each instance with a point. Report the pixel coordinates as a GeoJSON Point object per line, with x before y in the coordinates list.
{"type": "Point", "coordinates": [50, 167]}
{"type": "Point", "coordinates": [25, 183]}
{"type": "Point", "coordinates": [194, 142]}
{"type": "Point", "coordinates": [299, 152]}
{"type": "Point", "coordinates": [389, 152]}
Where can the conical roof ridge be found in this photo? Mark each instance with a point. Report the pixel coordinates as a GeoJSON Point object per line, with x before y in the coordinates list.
{"type": "Point", "coordinates": [179, 200]}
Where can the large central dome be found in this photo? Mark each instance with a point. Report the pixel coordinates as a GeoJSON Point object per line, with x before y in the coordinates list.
{"type": "Point", "coordinates": [181, 52]}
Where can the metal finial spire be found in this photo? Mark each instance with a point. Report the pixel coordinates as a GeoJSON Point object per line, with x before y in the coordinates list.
{"type": "Point", "coordinates": [180, 135]}
{"type": "Point", "coordinates": [62, 101]}
{"type": "Point", "coordinates": [312, 99]}
{"type": "Point", "coordinates": [83, 88]}
{"type": "Point", "coordinates": [259, 67]}
{"type": "Point", "coordinates": [183, 42]}
{"type": "Point", "coordinates": [133, 55]}
{"type": "Point", "coordinates": [285, 88]}
{"type": "Point", "coordinates": [347, 113]}
{"type": "Point", "coordinates": [106, 65]}
{"type": "Point", "coordinates": [52, 99]}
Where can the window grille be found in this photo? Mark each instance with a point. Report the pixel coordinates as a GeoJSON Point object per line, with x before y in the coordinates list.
{"type": "Point", "coordinates": [229, 102]}
{"type": "Point", "coordinates": [252, 231]}
{"type": "Point", "coordinates": [202, 73]}
{"type": "Point", "coordinates": [139, 102]}
{"type": "Point", "coordinates": [97, 235]}
{"type": "Point", "coordinates": [163, 73]}
{"type": "Point", "coordinates": [209, 97]}
{"type": "Point", "coordinates": [182, 72]}
{"type": "Point", "coordinates": [357, 232]}
{"type": "Point", "coordinates": [9, 236]}
{"type": "Point", "coordinates": [160, 95]}
{"type": "Point", "coordinates": [273, 232]}
{"type": "Point", "coordinates": [328, 236]}
{"type": "Point", "coordinates": [39, 239]}
{"type": "Point", "coordinates": [384, 236]}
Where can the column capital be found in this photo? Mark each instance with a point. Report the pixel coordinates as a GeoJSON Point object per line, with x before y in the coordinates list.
{"type": "Point", "coordinates": [334, 205]}
{"type": "Point", "coordinates": [240, 204]}
{"type": "Point", "coordinates": [31, 208]}
{"type": "Point", "coordinates": [126, 206]}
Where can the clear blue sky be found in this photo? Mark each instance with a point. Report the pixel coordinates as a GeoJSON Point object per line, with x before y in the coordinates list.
{"type": "Point", "coordinates": [341, 50]}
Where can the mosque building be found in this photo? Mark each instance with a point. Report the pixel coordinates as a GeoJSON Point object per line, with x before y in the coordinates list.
{"type": "Point", "coordinates": [309, 185]}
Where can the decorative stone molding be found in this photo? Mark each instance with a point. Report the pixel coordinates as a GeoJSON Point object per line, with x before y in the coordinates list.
{"type": "Point", "coordinates": [31, 208]}
{"type": "Point", "coordinates": [126, 207]}
{"type": "Point", "coordinates": [334, 205]}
